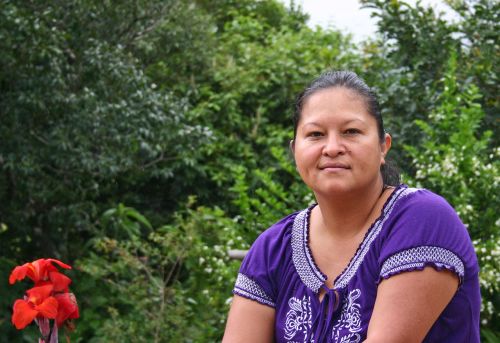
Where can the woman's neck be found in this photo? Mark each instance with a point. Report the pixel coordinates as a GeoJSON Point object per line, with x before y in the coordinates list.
{"type": "Point", "coordinates": [344, 216]}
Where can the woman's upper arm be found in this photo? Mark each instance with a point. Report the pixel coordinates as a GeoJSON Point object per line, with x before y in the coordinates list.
{"type": "Point", "coordinates": [249, 321]}
{"type": "Point", "coordinates": [408, 304]}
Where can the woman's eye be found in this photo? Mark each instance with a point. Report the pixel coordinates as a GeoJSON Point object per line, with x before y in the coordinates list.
{"type": "Point", "coordinates": [314, 134]}
{"type": "Point", "coordinates": [352, 131]}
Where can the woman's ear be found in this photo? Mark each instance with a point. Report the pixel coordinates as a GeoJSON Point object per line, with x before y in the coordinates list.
{"type": "Point", "coordinates": [292, 147]}
{"type": "Point", "coordinates": [385, 147]}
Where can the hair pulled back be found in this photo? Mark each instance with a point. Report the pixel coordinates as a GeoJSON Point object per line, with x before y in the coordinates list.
{"type": "Point", "coordinates": [351, 81]}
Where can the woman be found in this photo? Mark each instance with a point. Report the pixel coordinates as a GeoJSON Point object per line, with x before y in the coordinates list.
{"type": "Point", "coordinates": [373, 260]}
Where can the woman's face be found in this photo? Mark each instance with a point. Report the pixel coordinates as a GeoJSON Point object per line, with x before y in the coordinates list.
{"type": "Point", "coordinates": [337, 147]}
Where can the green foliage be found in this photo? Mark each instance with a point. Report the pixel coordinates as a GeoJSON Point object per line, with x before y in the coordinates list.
{"type": "Point", "coordinates": [480, 33]}
{"type": "Point", "coordinates": [414, 45]}
{"type": "Point", "coordinates": [455, 161]}
{"type": "Point", "coordinates": [177, 277]}
{"type": "Point", "coordinates": [262, 196]}
{"type": "Point", "coordinates": [126, 218]}
{"type": "Point", "coordinates": [257, 70]}
{"type": "Point", "coordinates": [82, 125]}
{"type": "Point", "coordinates": [489, 337]}
{"type": "Point", "coordinates": [409, 57]}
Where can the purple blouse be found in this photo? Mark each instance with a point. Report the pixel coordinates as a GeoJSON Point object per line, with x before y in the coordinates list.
{"type": "Point", "coordinates": [416, 228]}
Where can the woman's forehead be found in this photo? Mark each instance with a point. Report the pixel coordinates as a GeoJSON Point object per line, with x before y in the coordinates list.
{"type": "Point", "coordinates": [333, 103]}
{"type": "Point", "coordinates": [339, 91]}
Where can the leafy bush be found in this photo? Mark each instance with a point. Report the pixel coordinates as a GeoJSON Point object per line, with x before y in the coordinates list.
{"type": "Point", "coordinates": [166, 284]}
{"type": "Point", "coordinates": [457, 161]}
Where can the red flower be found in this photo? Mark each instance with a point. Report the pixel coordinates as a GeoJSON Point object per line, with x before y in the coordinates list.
{"type": "Point", "coordinates": [60, 281]}
{"type": "Point", "coordinates": [68, 308]}
{"type": "Point", "coordinates": [39, 302]}
{"type": "Point", "coordinates": [49, 299]}
{"type": "Point", "coordinates": [42, 270]}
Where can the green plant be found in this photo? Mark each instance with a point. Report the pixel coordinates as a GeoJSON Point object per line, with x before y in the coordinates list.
{"type": "Point", "coordinates": [457, 161]}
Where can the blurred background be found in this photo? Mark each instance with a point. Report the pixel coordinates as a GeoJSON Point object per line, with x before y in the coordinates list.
{"type": "Point", "coordinates": [143, 139]}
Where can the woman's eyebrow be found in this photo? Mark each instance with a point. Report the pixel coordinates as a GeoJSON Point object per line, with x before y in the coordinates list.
{"type": "Point", "coordinates": [346, 122]}
{"type": "Point", "coordinates": [349, 121]}
{"type": "Point", "coordinates": [312, 123]}
{"type": "Point", "coordinates": [354, 120]}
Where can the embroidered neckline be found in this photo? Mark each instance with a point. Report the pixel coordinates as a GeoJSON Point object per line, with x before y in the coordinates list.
{"type": "Point", "coordinates": [302, 257]}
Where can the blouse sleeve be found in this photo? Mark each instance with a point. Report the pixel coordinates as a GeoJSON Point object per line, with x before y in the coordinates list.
{"type": "Point", "coordinates": [426, 231]}
{"type": "Point", "coordinates": [258, 276]}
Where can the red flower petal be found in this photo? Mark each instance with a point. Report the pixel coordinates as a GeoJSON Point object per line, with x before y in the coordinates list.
{"type": "Point", "coordinates": [38, 294]}
{"type": "Point", "coordinates": [23, 314]}
{"type": "Point", "coordinates": [37, 270]}
{"type": "Point", "coordinates": [68, 308]}
{"type": "Point", "coordinates": [18, 273]}
{"type": "Point", "coordinates": [40, 269]}
{"type": "Point", "coordinates": [48, 308]}
{"type": "Point", "coordinates": [61, 264]}
{"type": "Point", "coordinates": [60, 281]}
{"type": "Point", "coordinates": [44, 266]}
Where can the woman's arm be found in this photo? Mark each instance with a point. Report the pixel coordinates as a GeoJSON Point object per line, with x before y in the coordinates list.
{"type": "Point", "coordinates": [249, 321]}
{"type": "Point", "coordinates": [408, 304]}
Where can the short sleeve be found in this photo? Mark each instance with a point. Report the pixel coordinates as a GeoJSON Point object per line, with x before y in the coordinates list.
{"type": "Point", "coordinates": [425, 230]}
{"type": "Point", "coordinates": [258, 277]}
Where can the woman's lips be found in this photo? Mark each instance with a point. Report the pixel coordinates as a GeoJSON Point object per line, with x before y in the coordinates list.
{"type": "Point", "coordinates": [333, 166]}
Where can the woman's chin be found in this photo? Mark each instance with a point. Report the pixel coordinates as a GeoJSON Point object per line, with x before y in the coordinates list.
{"type": "Point", "coordinates": [334, 189]}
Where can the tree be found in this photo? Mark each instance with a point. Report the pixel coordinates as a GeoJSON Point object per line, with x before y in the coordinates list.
{"type": "Point", "coordinates": [83, 127]}
{"type": "Point", "coordinates": [455, 161]}
{"type": "Point", "coordinates": [410, 54]}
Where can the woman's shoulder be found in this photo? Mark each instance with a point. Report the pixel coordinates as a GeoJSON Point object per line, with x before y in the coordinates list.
{"type": "Point", "coordinates": [259, 275]}
{"type": "Point", "coordinates": [423, 204]}
{"type": "Point", "coordinates": [423, 228]}
{"type": "Point", "coordinates": [422, 195]}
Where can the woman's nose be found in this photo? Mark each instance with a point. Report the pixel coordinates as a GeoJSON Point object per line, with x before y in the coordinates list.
{"type": "Point", "coordinates": [334, 146]}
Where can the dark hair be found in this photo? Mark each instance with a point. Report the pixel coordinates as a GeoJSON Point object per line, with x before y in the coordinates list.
{"type": "Point", "coordinates": [351, 81]}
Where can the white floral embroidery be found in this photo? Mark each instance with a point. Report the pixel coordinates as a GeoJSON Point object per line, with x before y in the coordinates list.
{"type": "Point", "coordinates": [298, 317]}
{"type": "Point", "coordinates": [350, 319]}
{"type": "Point", "coordinates": [351, 338]}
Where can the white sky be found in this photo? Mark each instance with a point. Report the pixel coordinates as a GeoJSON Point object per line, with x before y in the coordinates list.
{"type": "Point", "coordinates": [347, 15]}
